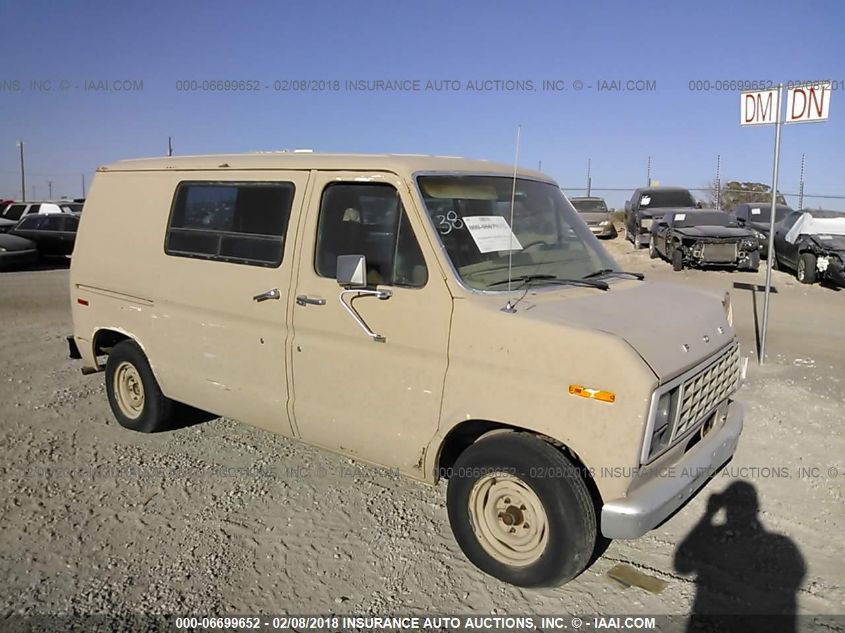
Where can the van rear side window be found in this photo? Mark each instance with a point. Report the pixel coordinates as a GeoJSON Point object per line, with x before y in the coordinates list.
{"type": "Point", "coordinates": [242, 223]}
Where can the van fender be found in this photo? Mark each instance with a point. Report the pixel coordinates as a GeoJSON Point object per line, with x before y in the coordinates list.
{"type": "Point", "coordinates": [126, 334]}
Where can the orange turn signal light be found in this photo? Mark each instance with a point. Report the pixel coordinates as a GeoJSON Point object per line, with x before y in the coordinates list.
{"type": "Point", "coordinates": [593, 394]}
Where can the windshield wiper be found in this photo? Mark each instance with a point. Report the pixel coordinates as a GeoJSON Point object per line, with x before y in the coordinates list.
{"type": "Point", "coordinates": [524, 280]}
{"type": "Point", "coordinates": [609, 271]}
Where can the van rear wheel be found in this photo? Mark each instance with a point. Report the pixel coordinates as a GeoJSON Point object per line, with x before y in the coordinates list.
{"type": "Point", "coordinates": [134, 395]}
{"type": "Point", "coordinates": [520, 511]}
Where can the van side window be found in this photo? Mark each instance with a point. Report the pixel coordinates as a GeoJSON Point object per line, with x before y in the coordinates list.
{"type": "Point", "coordinates": [369, 220]}
{"type": "Point", "coordinates": [242, 223]}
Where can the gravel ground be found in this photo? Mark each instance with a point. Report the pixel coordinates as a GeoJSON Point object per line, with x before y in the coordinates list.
{"type": "Point", "coordinates": [219, 517]}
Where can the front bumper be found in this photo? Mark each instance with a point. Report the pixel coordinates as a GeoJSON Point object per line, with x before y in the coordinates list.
{"type": "Point", "coordinates": [836, 273]}
{"type": "Point", "coordinates": [653, 502]}
{"type": "Point", "coordinates": [603, 231]}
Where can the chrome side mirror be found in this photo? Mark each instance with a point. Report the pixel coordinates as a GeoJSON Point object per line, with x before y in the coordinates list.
{"type": "Point", "coordinates": [351, 271]}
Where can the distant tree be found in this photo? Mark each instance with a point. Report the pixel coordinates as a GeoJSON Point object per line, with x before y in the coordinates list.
{"type": "Point", "coordinates": [734, 193]}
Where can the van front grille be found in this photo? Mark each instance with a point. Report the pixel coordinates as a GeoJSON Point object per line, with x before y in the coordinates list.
{"type": "Point", "coordinates": [701, 393]}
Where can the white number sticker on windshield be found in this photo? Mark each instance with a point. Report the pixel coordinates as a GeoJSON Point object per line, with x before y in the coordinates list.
{"type": "Point", "coordinates": [680, 216]}
{"type": "Point", "coordinates": [449, 222]}
{"type": "Point", "coordinates": [645, 201]}
{"type": "Point", "coordinates": [755, 211]}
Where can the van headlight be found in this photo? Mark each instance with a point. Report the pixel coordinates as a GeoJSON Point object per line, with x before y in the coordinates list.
{"type": "Point", "coordinates": [749, 244]}
{"type": "Point", "coordinates": [664, 421]}
{"type": "Point", "coordinates": [604, 223]}
{"type": "Point", "coordinates": [729, 313]}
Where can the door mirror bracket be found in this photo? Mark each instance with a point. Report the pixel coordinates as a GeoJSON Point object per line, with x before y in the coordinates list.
{"type": "Point", "coordinates": [352, 275]}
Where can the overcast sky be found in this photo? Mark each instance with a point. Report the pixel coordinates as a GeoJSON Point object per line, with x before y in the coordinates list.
{"type": "Point", "coordinates": [72, 125]}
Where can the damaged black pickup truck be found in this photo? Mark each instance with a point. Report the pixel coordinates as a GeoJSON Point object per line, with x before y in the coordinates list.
{"type": "Point", "coordinates": [703, 237]}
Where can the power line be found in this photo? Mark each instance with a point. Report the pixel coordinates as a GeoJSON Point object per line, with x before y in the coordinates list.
{"type": "Point", "coordinates": [704, 189]}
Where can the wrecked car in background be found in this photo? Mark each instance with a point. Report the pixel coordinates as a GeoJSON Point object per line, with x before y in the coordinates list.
{"type": "Point", "coordinates": [650, 203]}
{"type": "Point", "coordinates": [812, 242]}
{"type": "Point", "coordinates": [757, 217]}
{"type": "Point", "coordinates": [595, 213]}
{"type": "Point", "coordinates": [703, 237]}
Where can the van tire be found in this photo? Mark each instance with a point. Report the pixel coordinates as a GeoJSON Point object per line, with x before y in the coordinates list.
{"type": "Point", "coordinates": [677, 259]}
{"type": "Point", "coordinates": [535, 482]}
{"type": "Point", "coordinates": [135, 398]}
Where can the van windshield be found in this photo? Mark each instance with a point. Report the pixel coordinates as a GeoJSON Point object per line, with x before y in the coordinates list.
{"type": "Point", "coordinates": [472, 215]}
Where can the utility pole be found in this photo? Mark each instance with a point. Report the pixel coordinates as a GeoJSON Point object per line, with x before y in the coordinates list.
{"type": "Point", "coordinates": [170, 146]}
{"type": "Point", "coordinates": [801, 185]}
{"type": "Point", "coordinates": [540, 165]}
{"type": "Point", "coordinates": [83, 185]}
{"type": "Point", "coordinates": [50, 189]}
{"type": "Point", "coordinates": [589, 177]}
{"type": "Point", "coordinates": [648, 176]}
{"type": "Point", "coordinates": [718, 182]}
{"type": "Point", "coordinates": [23, 174]}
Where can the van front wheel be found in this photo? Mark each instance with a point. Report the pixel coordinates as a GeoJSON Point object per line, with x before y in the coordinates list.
{"type": "Point", "coordinates": [520, 511]}
{"type": "Point", "coordinates": [134, 395]}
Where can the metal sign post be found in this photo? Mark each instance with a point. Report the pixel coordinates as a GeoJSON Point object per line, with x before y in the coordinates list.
{"type": "Point", "coordinates": [804, 103]}
{"type": "Point", "coordinates": [770, 255]}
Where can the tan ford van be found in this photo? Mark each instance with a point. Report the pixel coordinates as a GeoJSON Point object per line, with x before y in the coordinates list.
{"type": "Point", "coordinates": [441, 316]}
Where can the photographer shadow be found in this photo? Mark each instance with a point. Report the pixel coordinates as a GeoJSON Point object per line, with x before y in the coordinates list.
{"type": "Point", "coordinates": [747, 578]}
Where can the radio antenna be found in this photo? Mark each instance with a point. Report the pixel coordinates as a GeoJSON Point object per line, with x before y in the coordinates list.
{"type": "Point", "coordinates": [510, 305]}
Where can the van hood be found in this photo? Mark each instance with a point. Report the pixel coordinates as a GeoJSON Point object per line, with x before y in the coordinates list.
{"type": "Point", "coordinates": [671, 327]}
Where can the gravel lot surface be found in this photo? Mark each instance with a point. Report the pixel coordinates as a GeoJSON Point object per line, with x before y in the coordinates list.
{"type": "Point", "coordinates": [220, 517]}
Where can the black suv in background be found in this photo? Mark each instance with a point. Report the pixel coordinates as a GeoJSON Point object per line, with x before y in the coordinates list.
{"type": "Point", "coordinates": [649, 204]}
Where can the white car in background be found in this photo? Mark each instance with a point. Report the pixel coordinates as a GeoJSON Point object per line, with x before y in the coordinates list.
{"type": "Point", "coordinates": [14, 212]}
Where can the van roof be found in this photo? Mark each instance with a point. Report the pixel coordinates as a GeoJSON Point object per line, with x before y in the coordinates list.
{"type": "Point", "coordinates": [399, 163]}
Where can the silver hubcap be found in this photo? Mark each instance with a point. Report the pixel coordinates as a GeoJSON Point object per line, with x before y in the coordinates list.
{"type": "Point", "coordinates": [128, 390]}
{"type": "Point", "coordinates": [508, 519]}
{"type": "Point", "coordinates": [801, 269]}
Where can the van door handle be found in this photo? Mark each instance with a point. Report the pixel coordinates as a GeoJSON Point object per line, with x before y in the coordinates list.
{"type": "Point", "coordinates": [269, 294]}
{"type": "Point", "coordinates": [305, 300]}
